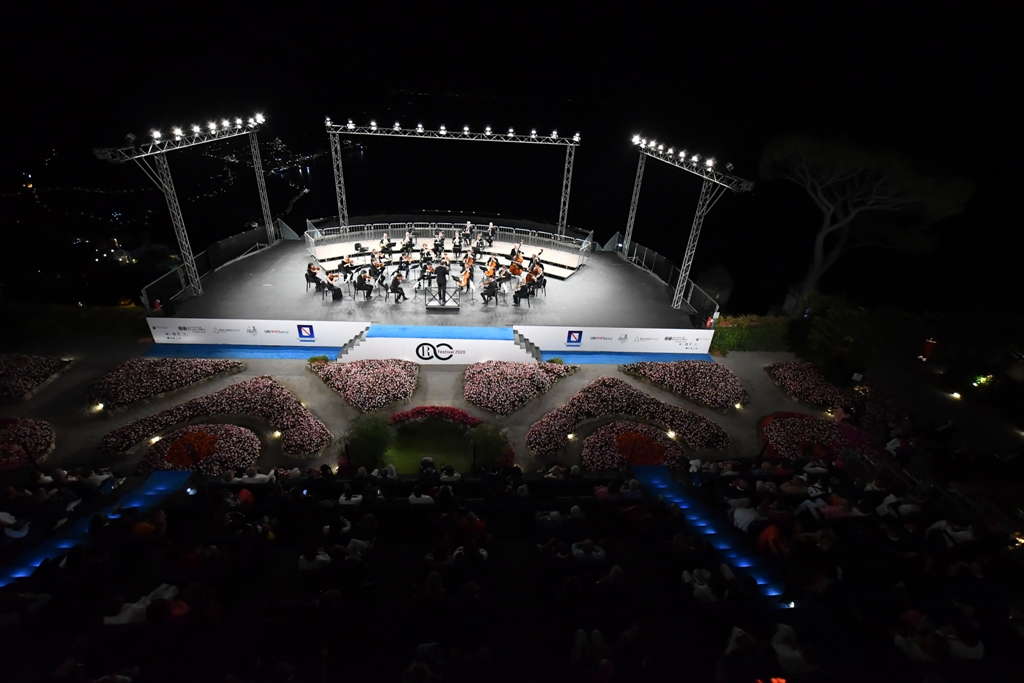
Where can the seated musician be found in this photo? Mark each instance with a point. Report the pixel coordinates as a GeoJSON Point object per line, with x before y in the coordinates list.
{"type": "Point", "coordinates": [467, 232]}
{"type": "Point", "coordinates": [312, 269]}
{"type": "Point", "coordinates": [504, 275]}
{"type": "Point", "coordinates": [396, 288]}
{"type": "Point", "coordinates": [492, 232]}
{"type": "Point", "coordinates": [466, 279]}
{"type": "Point", "coordinates": [539, 281]}
{"type": "Point", "coordinates": [408, 242]}
{"type": "Point", "coordinates": [426, 274]}
{"type": "Point", "coordinates": [376, 268]}
{"type": "Point", "coordinates": [467, 265]}
{"type": "Point", "coordinates": [478, 246]}
{"type": "Point", "coordinates": [364, 284]}
{"type": "Point", "coordinates": [439, 245]}
{"type": "Point", "coordinates": [516, 251]}
{"type": "Point", "coordinates": [489, 290]}
{"type": "Point", "coordinates": [457, 245]}
{"type": "Point", "coordinates": [334, 282]}
{"type": "Point", "coordinates": [386, 244]}
{"type": "Point", "coordinates": [347, 267]}
{"type": "Point", "coordinates": [406, 263]}
{"type": "Point", "coordinates": [535, 259]}
{"type": "Point", "coordinates": [522, 292]}
{"type": "Point", "coordinates": [426, 256]}
{"type": "Point", "coordinates": [491, 269]}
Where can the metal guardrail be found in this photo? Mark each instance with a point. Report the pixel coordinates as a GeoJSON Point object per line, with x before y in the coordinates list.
{"type": "Point", "coordinates": [666, 271]}
{"type": "Point", "coordinates": [372, 232]}
{"type": "Point", "coordinates": [173, 284]}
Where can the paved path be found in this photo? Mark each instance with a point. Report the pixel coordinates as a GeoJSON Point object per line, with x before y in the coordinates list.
{"type": "Point", "coordinates": [78, 432]}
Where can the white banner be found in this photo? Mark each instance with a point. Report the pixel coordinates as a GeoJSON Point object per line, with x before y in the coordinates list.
{"type": "Point", "coordinates": [254, 332]}
{"type": "Point", "coordinates": [437, 351]}
{"type": "Point", "coordinates": [620, 339]}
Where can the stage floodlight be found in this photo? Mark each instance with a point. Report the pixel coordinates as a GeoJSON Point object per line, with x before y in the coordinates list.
{"type": "Point", "coordinates": [225, 124]}
{"type": "Point", "coordinates": [196, 130]}
{"type": "Point", "coordinates": [487, 130]}
{"type": "Point", "coordinates": [259, 118]}
{"type": "Point", "coordinates": [419, 127]}
{"type": "Point", "coordinates": [636, 139]}
{"type": "Point", "coordinates": [554, 134]}
{"type": "Point", "coordinates": [682, 154]}
{"type": "Point", "coordinates": [533, 132]}
{"type": "Point", "coordinates": [178, 132]}
{"type": "Point", "coordinates": [695, 158]}
{"type": "Point", "coordinates": [396, 126]}
{"type": "Point", "coordinates": [710, 163]}
{"type": "Point", "coordinates": [350, 125]}
{"type": "Point", "coordinates": [443, 130]}
{"type": "Point", "coordinates": [327, 120]}
{"type": "Point", "coordinates": [211, 126]}
{"type": "Point", "coordinates": [155, 134]}
{"type": "Point", "coordinates": [373, 125]}
{"type": "Point", "coordinates": [465, 130]}
{"type": "Point", "coordinates": [661, 148]}
{"type": "Point", "coordinates": [576, 137]}
{"type": "Point", "coordinates": [252, 122]}
{"type": "Point", "coordinates": [511, 132]}
{"type": "Point", "coordinates": [238, 122]}
{"type": "Point", "coordinates": [670, 151]}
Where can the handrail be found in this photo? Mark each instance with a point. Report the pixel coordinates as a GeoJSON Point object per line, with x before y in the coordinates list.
{"type": "Point", "coordinates": [668, 272]}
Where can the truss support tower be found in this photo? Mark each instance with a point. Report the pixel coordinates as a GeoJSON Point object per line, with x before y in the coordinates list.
{"type": "Point", "coordinates": [257, 164]}
{"type": "Point", "coordinates": [633, 204]}
{"type": "Point", "coordinates": [162, 177]}
{"type": "Point", "coordinates": [563, 208]}
{"type": "Point", "coordinates": [339, 179]}
{"type": "Point", "coordinates": [710, 192]}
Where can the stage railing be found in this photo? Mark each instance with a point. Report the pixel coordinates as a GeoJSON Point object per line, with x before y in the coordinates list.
{"type": "Point", "coordinates": [372, 232]}
{"type": "Point", "coordinates": [700, 301]}
{"type": "Point", "coordinates": [172, 284]}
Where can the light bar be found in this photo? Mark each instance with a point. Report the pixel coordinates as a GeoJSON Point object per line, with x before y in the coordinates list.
{"type": "Point", "coordinates": [694, 163]}
{"type": "Point", "coordinates": [179, 138]}
{"type": "Point", "coordinates": [467, 133]}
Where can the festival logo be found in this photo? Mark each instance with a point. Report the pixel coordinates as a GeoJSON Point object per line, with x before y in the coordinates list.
{"type": "Point", "coordinates": [574, 338]}
{"type": "Point", "coordinates": [306, 333]}
{"type": "Point", "coordinates": [442, 351]}
{"type": "Point", "coordinates": [252, 330]}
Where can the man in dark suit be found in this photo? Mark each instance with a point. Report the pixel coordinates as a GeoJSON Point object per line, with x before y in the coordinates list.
{"type": "Point", "coordinates": [489, 290]}
{"type": "Point", "coordinates": [441, 273]}
{"type": "Point", "coordinates": [396, 288]}
{"type": "Point", "coordinates": [521, 293]}
{"type": "Point", "coordinates": [364, 284]}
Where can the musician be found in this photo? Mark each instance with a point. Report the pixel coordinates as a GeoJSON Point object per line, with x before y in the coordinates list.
{"type": "Point", "coordinates": [537, 273]}
{"type": "Point", "coordinates": [466, 278]}
{"type": "Point", "coordinates": [396, 288]}
{"type": "Point", "coordinates": [426, 272]}
{"type": "Point", "coordinates": [491, 269]}
{"type": "Point", "coordinates": [313, 269]}
{"type": "Point", "coordinates": [364, 284]}
{"type": "Point", "coordinates": [409, 242]}
{"type": "Point", "coordinates": [478, 247]}
{"type": "Point", "coordinates": [467, 265]}
{"type": "Point", "coordinates": [492, 232]}
{"type": "Point", "coordinates": [333, 284]}
{"type": "Point", "coordinates": [438, 244]}
{"type": "Point", "coordinates": [522, 292]}
{"type": "Point", "coordinates": [425, 253]}
{"type": "Point", "coordinates": [386, 244]}
{"type": "Point", "coordinates": [516, 251]}
{"type": "Point", "coordinates": [347, 267]}
{"type": "Point", "coordinates": [503, 276]}
{"type": "Point", "coordinates": [489, 290]}
{"type": "Point", "coordinates": [467, 232]}
{"type": "Point", "coordinates": [457, 245]}
{"type": "Point", "coordinates": [535, 259]}
{"type": "Point", "coordinates": [405, 264]}
{"type": "Point", "coordinates": [441, 273]}
{"type": "Point", "coordinates": [377, 268]}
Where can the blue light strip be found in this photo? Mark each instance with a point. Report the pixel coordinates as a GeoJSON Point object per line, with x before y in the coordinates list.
{"type": "Point", "coordinates": [659, 481]}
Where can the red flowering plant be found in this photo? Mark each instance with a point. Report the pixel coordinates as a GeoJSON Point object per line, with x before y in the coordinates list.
{"type": "Point", "coordinates": [449, 413]}
{"type": "Point", "coordinates": [211, 449]}
{"type": "Point", "coordinates": [619, 443]}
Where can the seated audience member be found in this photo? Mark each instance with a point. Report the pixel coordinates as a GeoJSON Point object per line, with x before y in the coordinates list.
{"type": "Point", "coordinates": [251, 476]}
{"type": "Point", "coordinates": [348, 497]}
{"type": "Point", "coordinates": [588, 552]}
{"type": "Point", "coordinates": [698, 583]}
{"type": "Point", "coordinates": [449, 475]}
{"type": "Point", "coordinates": [96, 477]}
{"type": "Point", "coordinates": [313, 559]}
{"type": "Point", "coordinates": [746, 518]}
{"type": "Point", "coordinates": [417, 497]}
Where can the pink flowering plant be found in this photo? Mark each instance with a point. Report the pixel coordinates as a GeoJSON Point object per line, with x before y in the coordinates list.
{"type": "Point", "coordinates": [503, 387]}
{"type": "Point", "coordinates": [704, 383]}
{"type": "Point", "coordinates": [24, 441]}
{"type": "Point", "coordinates": [791, 435]}
{"type": "Point", "coordinates": [610, 396]}
{"type": "Point", "coordinates": [141, 378]}
{"type": "Point", "coordinates": [302, 433]}
{"type": "Point", "coordinates": [603, 449]}
{"type": "Point", "coordinates": [21, 373]}
{"type": "Point", "coordinates": [370, 385]}
{"type": "Point", "coordinates": [803, 381]}
{"type": "Point", "coordinates": [212, 449]}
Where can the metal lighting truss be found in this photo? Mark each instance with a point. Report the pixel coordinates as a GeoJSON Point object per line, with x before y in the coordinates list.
{"type": "Point", "coordinates": [714, 186]}
{"type": "Point", "coordinates": [159, 172]}
{"type": "Point", "coordinates": [334, 131]}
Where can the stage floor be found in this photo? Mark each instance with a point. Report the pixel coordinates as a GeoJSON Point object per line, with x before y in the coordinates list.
{"type": "Point", "coordinates": [606, 292]}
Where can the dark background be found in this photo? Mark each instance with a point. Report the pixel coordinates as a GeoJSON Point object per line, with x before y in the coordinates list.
{"type": "Point", "coordinates": [932, 80]}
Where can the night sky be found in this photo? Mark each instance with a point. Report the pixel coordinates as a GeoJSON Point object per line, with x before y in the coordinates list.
{"type": "Point", "coordinates": [932, 80]}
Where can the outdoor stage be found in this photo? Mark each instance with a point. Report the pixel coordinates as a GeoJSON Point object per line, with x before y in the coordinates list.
{"type": "Point", "coordinates": [269, 285]}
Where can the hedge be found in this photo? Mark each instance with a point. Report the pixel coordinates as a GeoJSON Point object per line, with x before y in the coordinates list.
{"type": "Point", "coordinates": [751, 333]}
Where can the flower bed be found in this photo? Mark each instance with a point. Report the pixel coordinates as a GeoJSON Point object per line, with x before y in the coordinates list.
{"type": "Point", "coordinates": [503, 387]}
{"type": "Point", "coordinates": [141, 378]}
{"type": "Point", "coordinates": [20, 374]}
{"type": "Point", "coordinates": [447, 413]}
{"type": "Point", "coordinates": [302, 434]}
{"type": "Point", "coordinates": [803, 381]}
{"type": "Point", "coordinates": [790, 435]}
{"type": "Point", "coordinates": [615, 444]}
{"type": "Point", "coordinates": [24, 441]}
{"type": "Point", "coordinates": [612, 396]}
{"type": "Point", "coordinates": [370, 384]}
{"type": "Point", "coordinates": [211, 449]}
{"type": "Point", "coordinates": [707, 384]}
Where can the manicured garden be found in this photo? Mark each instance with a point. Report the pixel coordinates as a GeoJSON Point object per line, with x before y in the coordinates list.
{"type": "Point", "coordinates": [369, 385]}
{"type": "Point", "coordinates": [708, 384]}
{"type": "Point", "coordinates": [503, 387]}
{"type": "Point", "coordinates": [21, 374]}
{"type": "Point", "coordinates": [141, 378]}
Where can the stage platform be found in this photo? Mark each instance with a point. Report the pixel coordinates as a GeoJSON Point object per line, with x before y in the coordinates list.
{"type": "Point", "coordinates": [606, 292]}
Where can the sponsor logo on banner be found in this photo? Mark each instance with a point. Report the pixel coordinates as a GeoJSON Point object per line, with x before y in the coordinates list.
{"type": "Point", "coordinates": [306, 333]}
{"type": "Point", "coordinates": [252, 330]}
{"type": "Point", "coordinates": [623, 338]}
{"type": "Point", "coordinates": [574, 338]}
{"type": "Point", "coordinates": [598, 337]}
{"type": "Point", "coordinates": [226, 330]}
{"type": "Point", "coordinates": [442, 351]}
{"type": "Point", "coordinates": [276, 332]}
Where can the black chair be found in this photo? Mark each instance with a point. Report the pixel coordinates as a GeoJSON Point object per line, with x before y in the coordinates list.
{"type": "Point", "coordinates": [311, 280]}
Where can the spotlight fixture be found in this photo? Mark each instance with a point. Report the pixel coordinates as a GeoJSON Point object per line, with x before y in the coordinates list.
{"type": "Point", "coordinates": [350, 125]}
{"type": "Point", "coordinates": [212, 126]}
{"type": "Point", "coordinates": [636, 139]}
{"type": "Point", "coordinates": [396, 126]}
{"type": "Point", "coordinates": [487, 130]}
{"type": "Point", "coordinates": [276, 434]}
{"type": "Point", "coordinates": [710, 163]}
{"type": "Point", "coordinates": [576, 137]}
{"type": "Point", "coordinates": [155, 134]}
{"type": "Point", "coordinates": [259, 118]}
{"type": "Point", "coordinates": [511, 132]}
{"type": "Point", "coordinates": [554, 134]}
{"type": "Point", "coordinates": [225, 124]}
{"type": "Point", "coordinates": [196, 130]}
{"type": "Point", "coordinates": [442, 130]}
{"type": "Point", "coordinates": [738, 406]}
{"type": "Point", "coordinates": [177, 132]}
{"type": "Point", "coordinates": [326, 120]}
{"type": "Point", "coordinates": [533, 132]}
{"type": "Point", "coordinates": [671, 434]}
{"type": "Point", "coordinates": [465, 130]}
{"type": "Point", "coordinates": [373, 125]}
{"type": "Point", "coordinates": [419, 127]}
{"type": "Point", "coordinates": [238, 122]}
{"type": "Point", "coordinates": [570, 436]}
{"type": "Point", "coordinates": [252, 122]}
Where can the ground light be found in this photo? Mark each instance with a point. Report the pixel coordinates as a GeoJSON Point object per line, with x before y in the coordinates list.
{"type": "Point", "coordinates": [955, 395]}
{"type": "Point", "coordinates": [738, 406]}
{"type": "Point", "coordinates": [276, 434]}
{"type": "Point", "coordinates": [97, 407]}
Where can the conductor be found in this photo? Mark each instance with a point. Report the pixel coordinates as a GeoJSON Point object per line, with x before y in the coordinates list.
{"type": "Point", "coordinates": [441, 273]}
